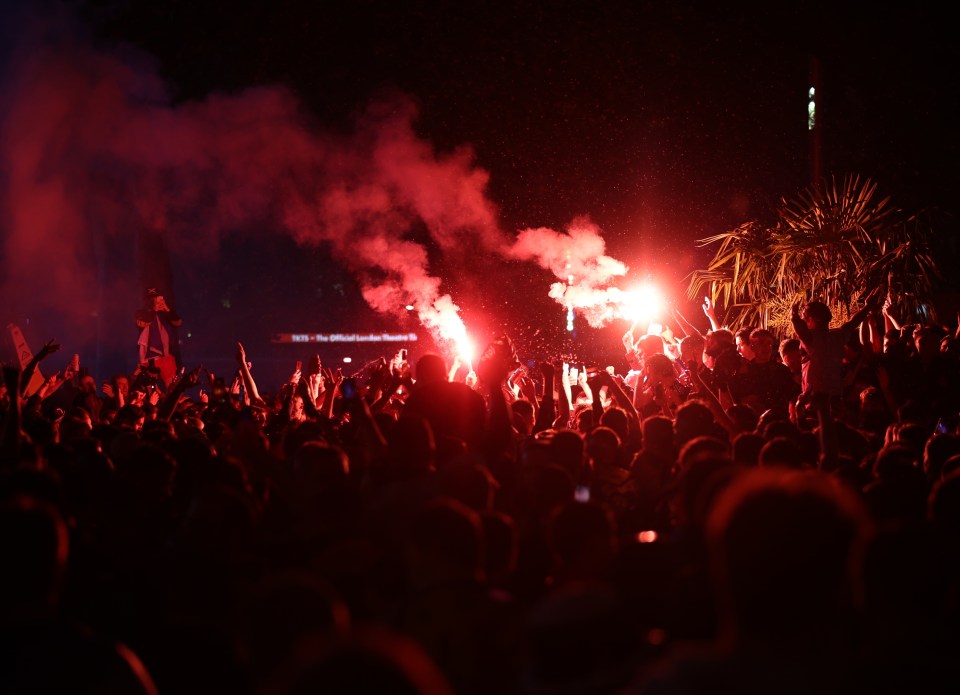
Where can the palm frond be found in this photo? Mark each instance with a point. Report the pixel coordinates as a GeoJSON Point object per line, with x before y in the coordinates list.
{"type": "Point", "coordinates": [837, 241]}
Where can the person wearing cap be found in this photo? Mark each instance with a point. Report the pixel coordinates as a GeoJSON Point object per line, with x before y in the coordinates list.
{"type": "Point", "coordinates": [158, 325]}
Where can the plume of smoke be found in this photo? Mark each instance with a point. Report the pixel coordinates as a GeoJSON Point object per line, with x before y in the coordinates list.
{"type": "Point", "coordinates": [94, 153]}
{"type": "Point", "coordinates": [577, 258]}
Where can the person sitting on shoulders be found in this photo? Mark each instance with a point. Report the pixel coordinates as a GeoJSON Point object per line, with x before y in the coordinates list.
{"type": "Point", "coordinates": [158, 343]}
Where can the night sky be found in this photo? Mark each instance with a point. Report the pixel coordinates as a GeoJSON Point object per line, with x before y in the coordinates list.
{"type": "Point", "coordinates": [661, 123]}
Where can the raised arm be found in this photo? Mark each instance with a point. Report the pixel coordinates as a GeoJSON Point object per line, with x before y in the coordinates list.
{"type": "Point", "coordinates": [858, 317]}
{"type": "Point", "coordinates": [380, 374]}
{"type": "Point", "coordinates": [168, 406]}
{"type": "Point", "coordinates": [48, 349]}
{"type": "Point", "coordinates": [10, 434]}
{"type": "Point", "coordinates": [172, 316]}
{"type": "Point", "coordinates": [311, 385]}
{"type": "Point", "coordinates": [297, 373]}
{"type": "Point", "coordinates": [528, 390]}
{"type": "Point", "coordinates": [565, 396]}
{"type": "Point", "coordinates": [50, 386]}
{"type": "Point", "coordinates": [492, 374]}
{"type": "Point", "coordinates": [595, 382]}
{"type": "Point", "coordinates": [704, 393]}
{"type": "Point", "coordinates": [888, 321]}
{"type": "Point", "coordinates": [620, 396]}
{"type": "Point", "coordinates": [710, 311]}
{"type": "Point", "coordinates": [359, 411]}
{"type": "Point", "coordinates": [249, 385]}
{"type": "Point", "coordinates": [545, 415]}
{"type": "Point", "coordinates": [870, 337]}
{"type": "Point", "coordinates": [799, 325]}
{"type": "Point", "coordinates": [309, 404]}
{"type": "Point", "coordinates": [629, 344]}
{"type": "Point", "coordinates": [388, 383]}
{"type": "Point", "coordinates": [333, 380]}
{"type": "Point", "coordinates": [587, 391]}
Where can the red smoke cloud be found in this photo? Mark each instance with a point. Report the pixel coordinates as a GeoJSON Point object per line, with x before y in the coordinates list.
{"type": "Point", "coordinates": [97, 158]}
{"type": "Point", "coordinates": [95, 154]}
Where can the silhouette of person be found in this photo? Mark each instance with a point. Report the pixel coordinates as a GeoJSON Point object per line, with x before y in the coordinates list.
{"type": "Point", "coordinates": [159, 338]}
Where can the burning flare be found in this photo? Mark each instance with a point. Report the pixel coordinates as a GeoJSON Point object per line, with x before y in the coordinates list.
{"type": "Point", "coordinates": [578, 259]}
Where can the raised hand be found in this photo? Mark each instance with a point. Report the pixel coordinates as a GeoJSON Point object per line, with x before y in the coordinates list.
{"type": "Point", "coordinates": [379, 375]}
{"type": "Point", "coordinates": [192, 378]}
{"type": "Point", "coordinates": [297, 373]}
{"type": "Point", "coordinates": [73, 366]}
{"type": "Point", "coordinates": [50, 384]}
{"type": "Point", "coordinates": [332, 378]}
{"type": "Point", "coordinates": [597, 380]}
{"type": "Point", "coordinates": [496, 362]}
{"type": "Point", "coordinates": [887, 303]}
{"type": "Point", "coordinates": [582, 378]}
{"type": "Point", "coordinates": [48, 349]}
{"type": "Point", "coordinates": [314, 382]}
{"type": "Point", "coordinates": [471, 379]}
{"type": "Point", "coordinates": [548, 370]}
{"type": "Point", "coordinates": [527, 388]}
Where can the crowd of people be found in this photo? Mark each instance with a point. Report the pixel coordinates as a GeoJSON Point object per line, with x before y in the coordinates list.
{"type": "Point", "coordinates": [760, 510]}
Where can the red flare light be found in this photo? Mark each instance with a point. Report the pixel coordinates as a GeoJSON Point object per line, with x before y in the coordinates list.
{"type": "Point", "coordinates": [642, 304]}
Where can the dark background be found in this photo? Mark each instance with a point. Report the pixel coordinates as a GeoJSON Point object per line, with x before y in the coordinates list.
{"type": "Point", "coordinates": [663, 122]}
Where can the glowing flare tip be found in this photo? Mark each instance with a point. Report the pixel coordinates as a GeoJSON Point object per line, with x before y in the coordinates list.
{"type": "Point", "coordinates": [644, 303]}
{"type": "Point", "coordinates": [465, 349]}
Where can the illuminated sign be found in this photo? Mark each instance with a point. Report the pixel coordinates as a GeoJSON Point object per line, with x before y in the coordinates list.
{"type": "Point", "coordinates": [345, 338]}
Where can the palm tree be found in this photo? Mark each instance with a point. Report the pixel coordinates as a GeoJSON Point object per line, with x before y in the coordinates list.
{"type": "Point", "coordinates": [840, 244]}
